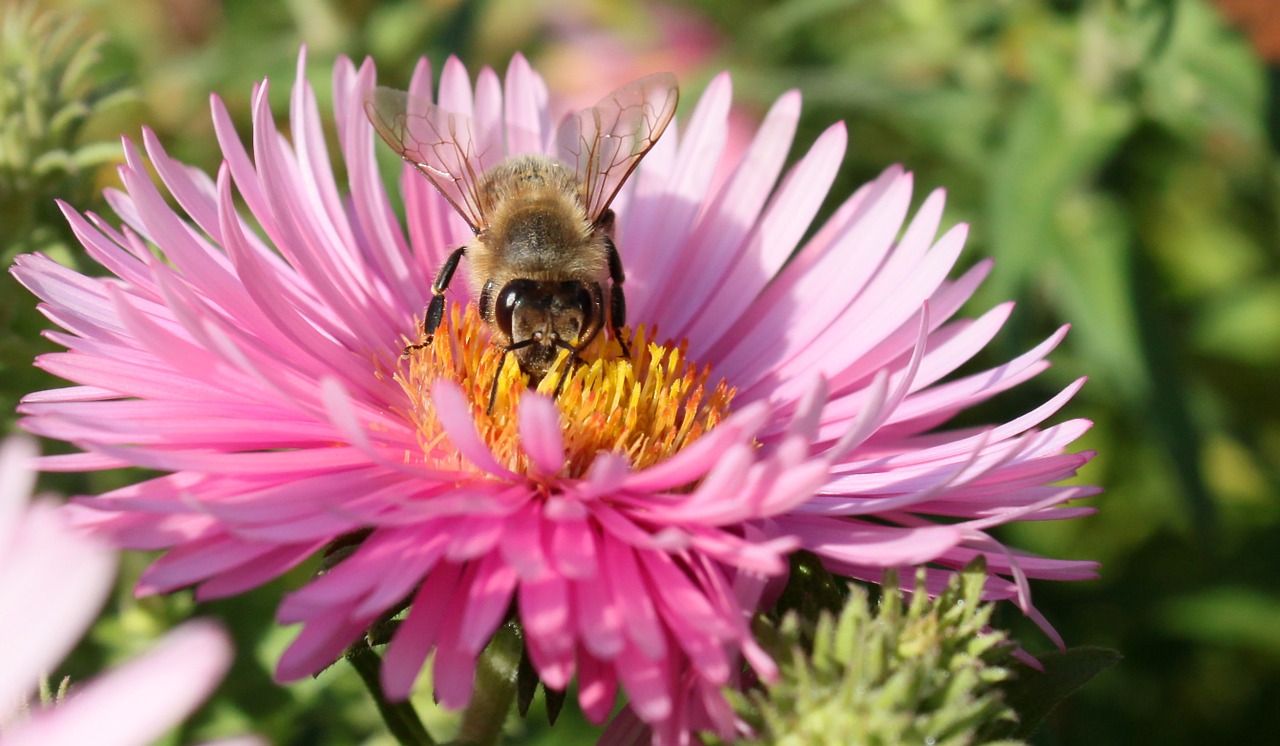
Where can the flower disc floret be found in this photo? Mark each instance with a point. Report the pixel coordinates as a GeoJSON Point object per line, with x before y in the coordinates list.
{"type": "Point", "coordinates": [646, 407]}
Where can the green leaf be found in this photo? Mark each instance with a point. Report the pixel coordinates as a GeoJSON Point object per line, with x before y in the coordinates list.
{"type": "Point", "coordinates": [1033, 694]}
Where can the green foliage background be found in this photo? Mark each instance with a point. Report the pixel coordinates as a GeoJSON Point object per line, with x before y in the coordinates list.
{"type": "Point", "coordinates": [1114, 156]}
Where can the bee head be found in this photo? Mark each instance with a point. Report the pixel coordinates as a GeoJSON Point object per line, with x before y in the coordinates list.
{"type": "Point", "coordinates": [542, 317]}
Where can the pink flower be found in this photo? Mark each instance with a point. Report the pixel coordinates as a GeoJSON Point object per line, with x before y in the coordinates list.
{"type": "Point", "coordinates": [584, 57]}
{"type": "Point", "coordinates": [53, 580]}
{"type": "Point", "coordinates": [631, 522]}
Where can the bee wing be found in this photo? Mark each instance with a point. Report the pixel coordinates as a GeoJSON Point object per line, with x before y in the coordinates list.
{"type": "Point", "coordinates": [607, 141]}
{"type": "Point", "coordinates": [440, 144]}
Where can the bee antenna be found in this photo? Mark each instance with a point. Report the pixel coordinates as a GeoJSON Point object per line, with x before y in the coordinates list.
{"type": "Point", "coordinates": [497, 376]}
{"type": "Point", "coordinates": [569, 364]}
{"type": "Point", "coordinates": [493, 389]}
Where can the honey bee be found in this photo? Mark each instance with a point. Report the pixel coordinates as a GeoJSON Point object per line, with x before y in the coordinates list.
{"type": "Point", "coordinates": [543, 249]}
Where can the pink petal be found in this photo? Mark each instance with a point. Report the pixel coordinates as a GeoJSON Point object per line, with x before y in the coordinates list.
{"type": "Point", "coordinates": [654, 222]}
{"type": "Point", "coordinates": [454, 413]}
{"type": "Point", "coordinates": [453, 671]}
{"type": "Point", "coordinates": [540, 436]}
{"type": "Point", "coordinates": [417, 634]}
{"type": "Point", "coordinates": [544, 611]}
{"type": "Point", "coordinates": [597, 688]}
{"type": "Point", "coordinates": [491, 591]}
{"type": "Point", "coordinates": [488, 118]}
{"type": "Point", "coordinates": [527, 124]}
{"type": "Point", "coordinates": [694, 460]}
{"type": "Point", "coordinates": [138, 702]}
{"type": "Point", "coordinates": [775, 235]}
{"type": "Point", "coordinates": [521, 546]}
{"type": "Point", "coordinates": [645, 683]}
{"type": "Point", "coordinates": [17, 479]}
{"type": "Point", "coordinates": [318, 645]}
{"type": "Point", "coordinates": [573, 548]}
{"type": "Point", "coordinates": [52, 580]}
{"type": "Point", "coordinates": [632, 596]}
{"type": "Point", "coordinates": [721, 234]}
{"type": "Point", "coordinates": [553, 659]}
{"type": "Point", "coordinates": [599, 619]}
{"type": "Point", "coordinates": [859, 543]}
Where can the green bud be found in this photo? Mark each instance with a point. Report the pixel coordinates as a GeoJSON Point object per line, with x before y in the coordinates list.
{"type": "Point", "coordinates": [47, 94]}
{"type": "Point", "coordinates": [923, 671]}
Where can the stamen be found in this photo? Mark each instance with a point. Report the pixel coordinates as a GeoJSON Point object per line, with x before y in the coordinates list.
{"type": "Point", "coordinates": [646, 406]}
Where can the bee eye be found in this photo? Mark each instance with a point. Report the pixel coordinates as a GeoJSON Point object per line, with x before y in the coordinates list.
{"type": "Point", "coordinates": [506, 306]}
{"type": "Point", "coordinates": [582, 299]}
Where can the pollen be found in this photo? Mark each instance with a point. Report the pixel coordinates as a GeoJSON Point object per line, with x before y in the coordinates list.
{"type": "Point", "coordinates": [646, 406]}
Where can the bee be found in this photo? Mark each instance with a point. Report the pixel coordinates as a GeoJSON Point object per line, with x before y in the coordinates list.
{"type": "Point", "coordinates": [543, 249]}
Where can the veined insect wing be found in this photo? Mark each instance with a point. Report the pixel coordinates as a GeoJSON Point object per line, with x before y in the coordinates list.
{"type": "Point", "coordinates": [442, 145]}
{"type": "Point", "coordinates": [605, 143]}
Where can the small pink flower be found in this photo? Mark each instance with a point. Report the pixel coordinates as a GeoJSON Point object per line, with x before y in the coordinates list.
{"type": "Point", "coordinates": [53, 580]}
{"type": "Point", "coordinates": [632, 522]}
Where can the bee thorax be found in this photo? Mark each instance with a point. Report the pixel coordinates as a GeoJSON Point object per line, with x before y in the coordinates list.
{"type": "Point", "coordinates": [541, 229]}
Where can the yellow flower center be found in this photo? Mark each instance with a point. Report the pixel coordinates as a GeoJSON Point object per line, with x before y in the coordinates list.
{"type": "Point", "coordinates": [647, 406]}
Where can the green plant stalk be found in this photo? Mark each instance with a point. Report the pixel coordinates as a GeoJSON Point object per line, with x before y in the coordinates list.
{"type": "Point", "coordinates": [402, 720]}
{"type": "Point", "coordinates": [495, 689]}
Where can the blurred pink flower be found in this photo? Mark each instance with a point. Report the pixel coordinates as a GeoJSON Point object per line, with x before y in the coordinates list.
{"type": "Point", "coordinates": [53, 580]}
{"type": "Point", "coordinates": [256, 360]}
{"type": "Point", "coordinates": [589, 50]}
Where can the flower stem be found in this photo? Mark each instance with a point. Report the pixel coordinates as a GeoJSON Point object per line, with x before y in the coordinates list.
{"type": "Point", "coordinates": [401, 719]}
{"type": "Point", "coordinates": [495, 689]}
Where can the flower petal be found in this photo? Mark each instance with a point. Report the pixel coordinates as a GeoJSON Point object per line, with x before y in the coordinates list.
{"type": "Point", "coordinates": [540, 435]}
{"type": "Point", "coordinates": [141, 700]}
{"type": "Point", "coordinates": [458, 422]}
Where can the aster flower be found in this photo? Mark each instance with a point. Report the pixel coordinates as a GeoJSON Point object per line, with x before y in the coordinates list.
{"type": "Point", "coordinates": [630, 523]}
{"type": "Point", "coordinates": [53, 580]}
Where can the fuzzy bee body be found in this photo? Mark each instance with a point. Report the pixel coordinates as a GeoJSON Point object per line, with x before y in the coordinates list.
{"type": "Point", "coordinates": [543, 251]}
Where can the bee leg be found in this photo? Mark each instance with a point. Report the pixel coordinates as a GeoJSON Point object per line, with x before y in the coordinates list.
{"type": "Point", "coordinates": [617, 301]}
{"type": "Point", "coordinates": [435, 310]}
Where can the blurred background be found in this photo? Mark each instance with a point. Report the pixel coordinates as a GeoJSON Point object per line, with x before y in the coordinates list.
{"type": "Point", "coordinates": [1118, 158]}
